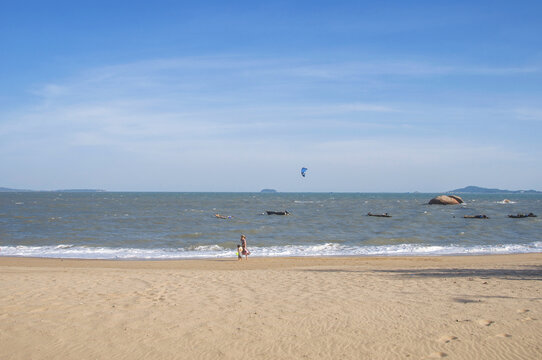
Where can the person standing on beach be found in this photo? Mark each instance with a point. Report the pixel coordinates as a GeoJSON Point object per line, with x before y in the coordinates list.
{"type": "Point", "coordinates": [244, 249]}
{"type": "Point", "coordinates": [239, 252]}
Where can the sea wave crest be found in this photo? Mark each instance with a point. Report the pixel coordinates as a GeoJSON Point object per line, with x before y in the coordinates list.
{"type": "Point", "coordinates": [217, 251]}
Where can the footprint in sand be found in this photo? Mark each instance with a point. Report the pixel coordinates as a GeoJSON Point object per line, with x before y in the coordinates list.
{"type": "Point", "coordinates": [523, 311]}
{"type": "Point", "coordinates": [484, 322]}
{"type": "Point", "coordinates": [503, 335]}
{"type": "Point", "coordinates": [528, 318]}
{"type": "Point", "coordinates": [446, 339]}
{"type": "Point", "coordinates": [437, 355]}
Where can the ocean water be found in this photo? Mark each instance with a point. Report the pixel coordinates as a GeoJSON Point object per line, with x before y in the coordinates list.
{"type": "Point", "coordinates": [110, 225]}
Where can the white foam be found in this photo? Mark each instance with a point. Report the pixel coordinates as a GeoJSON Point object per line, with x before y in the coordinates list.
{"type": "Point", "coordinates": [216, 251]}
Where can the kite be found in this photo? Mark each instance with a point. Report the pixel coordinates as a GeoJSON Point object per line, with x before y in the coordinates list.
{"type": "Point", "coordinates": [303, 171]}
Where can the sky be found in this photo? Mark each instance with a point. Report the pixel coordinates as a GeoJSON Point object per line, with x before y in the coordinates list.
{"type": "Point", "coordinates": [387, 96]}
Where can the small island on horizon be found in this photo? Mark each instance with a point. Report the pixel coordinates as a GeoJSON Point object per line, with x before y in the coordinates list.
{"type": "Point", "coordinates": [4, 189]}
{"type": "Point", "coordinates": [268, 191]}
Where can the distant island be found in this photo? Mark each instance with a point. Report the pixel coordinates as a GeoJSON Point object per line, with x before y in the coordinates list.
{"type": "Point", "coordinates": [268, 191]}
{"type": "Point", "coordinates": [80, 190]}
{"type": "Point", "coordinates": [481, 190]}
{"type": "Point", "coordinates": [3, 189]}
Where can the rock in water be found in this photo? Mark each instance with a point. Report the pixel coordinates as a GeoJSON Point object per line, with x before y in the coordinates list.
{"type": "Point", "coordinates": [446, 200]}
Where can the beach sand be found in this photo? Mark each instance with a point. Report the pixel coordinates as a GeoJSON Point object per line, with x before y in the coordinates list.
{"type": "Point", "coordinates": [457, 307]}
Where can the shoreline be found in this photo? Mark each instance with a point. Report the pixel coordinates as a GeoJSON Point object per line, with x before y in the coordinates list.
{"type": "Point", "coordinates": [461, 307]}
{"type": "Point", "coordinates": [262, 262]}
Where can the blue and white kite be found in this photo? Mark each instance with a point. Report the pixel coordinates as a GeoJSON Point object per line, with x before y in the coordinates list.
{"type": "Point", "coordinates": [303, 171]}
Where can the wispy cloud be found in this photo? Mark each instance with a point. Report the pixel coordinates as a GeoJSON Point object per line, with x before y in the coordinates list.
{"type": "Point", "coordinates": [212, 95]}
{"type": "Point", "coordinates": [347, 70]}
{"type": "Point", "coordinates": [200, 73]}
{"type": "Point", "coordinates": [534, 114]}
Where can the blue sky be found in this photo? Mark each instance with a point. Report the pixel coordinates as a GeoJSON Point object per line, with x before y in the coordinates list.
{"type": "Point", "coordinates": [238, 96]}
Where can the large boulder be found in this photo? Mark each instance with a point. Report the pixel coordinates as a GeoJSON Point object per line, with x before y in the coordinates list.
{"type": "Point", "coordinates": [446, 200]}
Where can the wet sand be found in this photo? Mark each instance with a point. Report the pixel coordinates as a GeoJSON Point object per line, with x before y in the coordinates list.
{"type": "Point", "coordinates": [459, 307]}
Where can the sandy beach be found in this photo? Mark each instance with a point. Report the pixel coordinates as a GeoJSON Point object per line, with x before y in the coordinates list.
{"type": "Point", "coordinates": [460, 307]}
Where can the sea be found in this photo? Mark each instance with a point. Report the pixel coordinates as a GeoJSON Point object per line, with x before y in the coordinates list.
{"type": "Point", "coordinates": [167, 225]}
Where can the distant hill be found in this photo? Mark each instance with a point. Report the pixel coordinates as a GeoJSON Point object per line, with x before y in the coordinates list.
{"type": "Point", "coordinates": [269, 191]}
{"type": "Point", "coordinates": [80, 190]}
{"type": "Point", "coordinates": [481, 190]}
{"type": "Point", "coordinates": [3, 189]}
